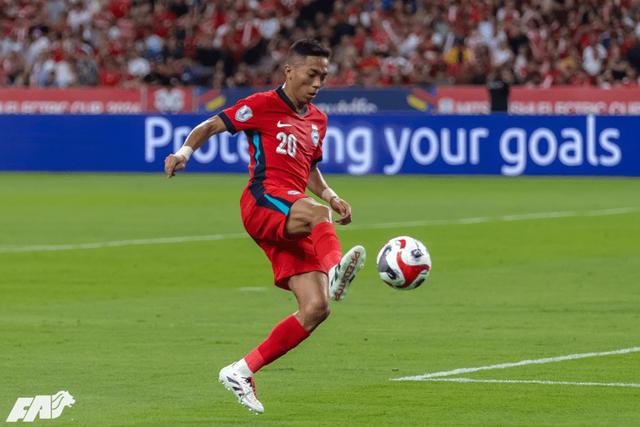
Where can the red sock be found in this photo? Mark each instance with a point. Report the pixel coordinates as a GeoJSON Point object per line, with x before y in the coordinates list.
{"type": "Point", "coordinates": [285, 336]}
{"type": "Point", "coordinates": [326, 245]}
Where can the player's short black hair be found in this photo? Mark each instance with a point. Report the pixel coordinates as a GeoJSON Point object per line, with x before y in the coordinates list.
{"type": "Point", "coordinates": [308, 47]}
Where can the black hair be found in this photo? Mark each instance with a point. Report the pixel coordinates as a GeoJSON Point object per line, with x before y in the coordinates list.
{"type": "Point", "coordinates": [308, 47]}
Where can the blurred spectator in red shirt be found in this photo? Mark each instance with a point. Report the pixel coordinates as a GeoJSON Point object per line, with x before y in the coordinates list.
{"type": "Point", "coordinates": [110, 73]}
{"type": "Point", "coordinates": [163, 19]}
{"type": "Point", "coordinates": [119, 8]}
{"type": "Point", "coordinates": [360, 38]}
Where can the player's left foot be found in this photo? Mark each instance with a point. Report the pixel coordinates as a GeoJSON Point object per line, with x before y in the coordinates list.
{"type": "Point", "coordinates": [243, 387]}
{"type": "Point", "coordinates": [341, 275]}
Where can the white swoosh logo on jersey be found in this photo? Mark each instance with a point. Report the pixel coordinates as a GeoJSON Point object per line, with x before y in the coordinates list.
{"type": "Point", "coordinates": [282, 125]}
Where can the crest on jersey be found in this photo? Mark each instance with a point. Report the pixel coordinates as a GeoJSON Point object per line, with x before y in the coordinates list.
{"type": "Point", "coordinates": [244, 114]}
{"type": "Point", "coordinates": [315, 137]}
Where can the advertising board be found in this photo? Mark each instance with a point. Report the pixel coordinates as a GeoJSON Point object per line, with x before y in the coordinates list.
{"type": "Point", "coordinates": [557, 100]}
{"type": "Point", "coordinates": [382, 144]}
{"type": "Point", "coordinates": [448, 100]}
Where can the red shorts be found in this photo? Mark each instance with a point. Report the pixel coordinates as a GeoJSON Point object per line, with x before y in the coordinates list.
{"type": "Point", "coordinates": [264, 215]}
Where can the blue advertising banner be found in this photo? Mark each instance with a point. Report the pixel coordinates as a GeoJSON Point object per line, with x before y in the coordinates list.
{"type": "Point", "coordinates": [346, 101]}
{"type": "Point", "coordinates": [381, 144]}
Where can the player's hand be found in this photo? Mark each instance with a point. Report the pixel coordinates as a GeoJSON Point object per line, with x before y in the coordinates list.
{"type": "Point", "coordinates": [173, 164]}
{"type": "Point", "coordinates": [343, 208]}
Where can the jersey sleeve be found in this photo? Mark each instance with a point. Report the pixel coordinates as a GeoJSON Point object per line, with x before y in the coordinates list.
{"type": "Point", "coordinates": [244, 115]}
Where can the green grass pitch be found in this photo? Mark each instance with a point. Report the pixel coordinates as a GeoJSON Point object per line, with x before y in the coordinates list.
{"type": "Point", "coordinates": [137, 332]}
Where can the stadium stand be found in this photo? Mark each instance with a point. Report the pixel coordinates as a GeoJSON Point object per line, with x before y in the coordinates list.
{"type": "Point", "coordinates": [378, 43]}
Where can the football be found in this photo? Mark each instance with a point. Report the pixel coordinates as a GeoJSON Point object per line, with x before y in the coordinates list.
{"type": "Point", "coordinates": [404, 263]}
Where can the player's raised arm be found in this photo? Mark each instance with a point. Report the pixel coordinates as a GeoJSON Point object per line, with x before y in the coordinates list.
{"type": "Point", "coordinates": [196, 139]}
{"type": "Point", "coordinates": [318, 186]}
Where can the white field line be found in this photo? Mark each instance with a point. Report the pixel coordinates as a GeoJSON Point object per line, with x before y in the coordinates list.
{"type": "Point", "coordinates": [428, 377]}
{"type": "Point", "coordinates": [122, 243]}
{"type": "Point", "coordinates": [504, 218]}
{"type": "Point", "coordinates": [461, 221]}
{"type": "Point", "coordinates": [469, 380]}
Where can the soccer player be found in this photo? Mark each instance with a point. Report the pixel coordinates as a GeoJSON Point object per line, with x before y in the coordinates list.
{"type": "Point", "coordinates": [285, 134]}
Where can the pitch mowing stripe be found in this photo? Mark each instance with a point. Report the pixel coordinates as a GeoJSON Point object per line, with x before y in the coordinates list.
{"type": "Point", "coordinates": [427, 377]}
{"type": "Point", "coordinates": [469, 380]}
{"type": "Point", "coordinates": [462, 221]}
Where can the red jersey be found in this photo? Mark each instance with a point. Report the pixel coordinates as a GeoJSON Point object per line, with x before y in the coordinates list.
{"type": "Point", "coordinates": [283, 145]}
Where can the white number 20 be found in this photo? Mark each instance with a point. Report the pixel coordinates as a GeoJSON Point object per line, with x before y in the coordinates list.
{"type": "Point", "coordinates": [287, 144]}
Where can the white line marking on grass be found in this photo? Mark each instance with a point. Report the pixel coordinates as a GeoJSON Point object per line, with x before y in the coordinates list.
{"type": "Point", "coordinates": [461, 221]}
{"type": "Point", "coordinates": [511, 365]}
{"type": "Point", "coordinates": [485, 219]}
{"type": "Point", "coordinates": [123, 243]}
{"type": "Point", "coordinates": [612, 211]}
{"type": "Point", "coordinates": [469, 380]}
{"type": "Point", "coordinates": [543, 215]}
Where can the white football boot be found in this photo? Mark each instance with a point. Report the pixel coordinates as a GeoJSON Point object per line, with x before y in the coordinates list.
{"type": "Point", "coordinates": [243, 387]}
{"type": "Point", "coordinates": [342, 274]}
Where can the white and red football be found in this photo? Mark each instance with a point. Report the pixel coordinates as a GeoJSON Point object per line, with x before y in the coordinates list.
{"type": "Point", "coordinates": [404, 263]}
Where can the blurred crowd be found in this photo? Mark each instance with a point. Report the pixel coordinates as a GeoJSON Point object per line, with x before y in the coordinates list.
{"type": "Point", "coordinates": [375, 43]}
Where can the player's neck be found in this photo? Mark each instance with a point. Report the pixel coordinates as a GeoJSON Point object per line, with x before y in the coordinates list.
{"type": "Point", "coordinates": [299, 105]}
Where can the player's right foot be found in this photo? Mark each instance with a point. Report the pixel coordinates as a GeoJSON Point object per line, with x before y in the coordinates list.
{"type": "Point", "coordinates": [243, 387]}
{"type": "Point", "coordinates": [341, 275]}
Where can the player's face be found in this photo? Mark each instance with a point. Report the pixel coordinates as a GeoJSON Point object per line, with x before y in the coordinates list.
{"type": "Point", "coordinates": [307, 78]}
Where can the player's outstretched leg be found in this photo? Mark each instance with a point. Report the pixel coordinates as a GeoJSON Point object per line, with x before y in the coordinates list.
{"type": "Point", "coordinates": [342, 274]}
{"type": "Point", "coordinates": [242, 386]}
